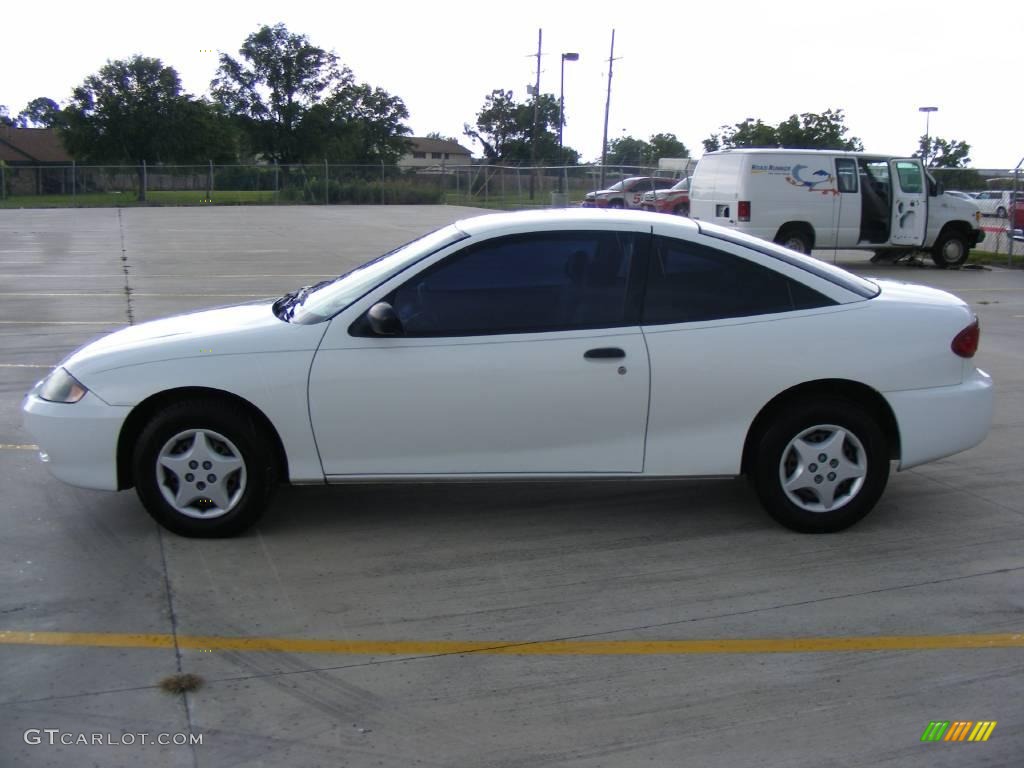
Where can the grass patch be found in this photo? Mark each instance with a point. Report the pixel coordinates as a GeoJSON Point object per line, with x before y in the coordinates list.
{"type": "Point", "coordinates": [999, 259]}
{"type": "Point", "coordinates": [128, 199]}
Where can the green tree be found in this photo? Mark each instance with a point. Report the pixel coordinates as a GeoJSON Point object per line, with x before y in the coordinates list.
{"type": "Point", "coordinates": [40, 113]}
{"type": "Point", "coordinates": [134, 110]}
{"type": "Point", "coordinates": [667, 145]}
{"type": "Point", "coordinates": [944, 154]}
{"type": "Point", "coordinates": [628, 150]}
{"type": "Point", "coordinates": [504, 128]}
{"type": "Point", "coordinates": [806, 131]}
{"type": "Point", "coordinates": [296, 102]}
{"type": "Point", "coordinates": [5, 116]}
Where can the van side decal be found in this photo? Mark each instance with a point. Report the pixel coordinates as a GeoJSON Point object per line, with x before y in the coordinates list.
{"type": "Point", "coordinates": [824, 177]}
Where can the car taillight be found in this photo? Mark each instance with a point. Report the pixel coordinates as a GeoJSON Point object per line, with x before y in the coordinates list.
{"type": "Point", "coordinates": [965, 343]}
{"type": "Point", "coordinates": [743, 210]}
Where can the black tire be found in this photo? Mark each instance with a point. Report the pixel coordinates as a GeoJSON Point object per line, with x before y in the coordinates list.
{"type": "Point", "coordinates": [250, 489]}
{"type": "Point", "coordinates": [682, 210]}
{"type": "Point", "coordinates": [1001, 212]}
{"type": "Point", "coordinates": [950, 250]}
{"type": "Point", "coordinates": [616, 204]}
{"type": "Point", "coordinates": [794, 238]}
{"type": "Point", "coordinates": [775, 459]}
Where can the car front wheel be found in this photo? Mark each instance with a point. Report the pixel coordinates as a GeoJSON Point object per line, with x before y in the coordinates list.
{"type": "Point", "coordinates": [204, 469]}
{"type": "Point", "coordinates": [822, 466]}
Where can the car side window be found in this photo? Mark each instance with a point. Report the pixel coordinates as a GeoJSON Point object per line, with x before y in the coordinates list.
{"type": "Point", "coordinates": [688, 282]}
{"type": "Point", "coordinates": [522, 284]}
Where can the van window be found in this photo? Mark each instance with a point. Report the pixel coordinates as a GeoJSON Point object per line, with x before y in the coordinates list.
{"type": "Point", "coordinates": [846, 174]}
{"type": "Point", "coordinates": [910, 176]}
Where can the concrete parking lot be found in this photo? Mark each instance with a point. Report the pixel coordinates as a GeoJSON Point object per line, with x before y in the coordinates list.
{"type": "Point", "coordinates": [659, 624]}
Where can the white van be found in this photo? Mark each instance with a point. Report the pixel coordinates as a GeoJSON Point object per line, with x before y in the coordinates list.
{"type": "Point", "coordinates": [805, 198]}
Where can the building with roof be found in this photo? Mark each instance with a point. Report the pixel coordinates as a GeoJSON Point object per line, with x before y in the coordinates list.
{"type": "Point", "coordinates": [34, 159]}
{"type": "Point", "coordinates": [432, 155]}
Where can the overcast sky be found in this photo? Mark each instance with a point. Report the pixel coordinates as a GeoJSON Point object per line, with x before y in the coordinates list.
{"type": "Point", "coordinates": [683, 68]}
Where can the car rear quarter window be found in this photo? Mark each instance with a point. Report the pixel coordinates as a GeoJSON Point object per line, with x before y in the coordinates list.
{"type": "Point", "coordinates": [689, 282]}
{"type": "Point", "coordinates": [522, 284]}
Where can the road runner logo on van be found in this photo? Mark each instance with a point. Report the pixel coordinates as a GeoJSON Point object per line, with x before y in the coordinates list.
{"type": "Point", "coordinates": [824, 177]}
{"type": "Point", "coordinates": [774, 169]}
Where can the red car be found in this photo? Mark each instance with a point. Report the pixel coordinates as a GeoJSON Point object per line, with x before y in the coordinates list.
{"type": "Point", "coordinates": [625, 194]}
{"type": "Point", "coordinates": [675, 200]}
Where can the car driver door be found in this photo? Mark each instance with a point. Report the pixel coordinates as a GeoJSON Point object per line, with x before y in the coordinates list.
{"type": "Point", "coordinates": [517, 355]}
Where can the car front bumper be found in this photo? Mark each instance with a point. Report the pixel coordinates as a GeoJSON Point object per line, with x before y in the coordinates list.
{"type": "Point", "coordinates": [78, 441]}
{"type": "Point", "coordinates": [941, 421]}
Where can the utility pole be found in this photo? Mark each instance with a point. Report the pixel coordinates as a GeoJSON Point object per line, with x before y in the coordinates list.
{"type": "Point", "coordinates": [607, 108]}
{"type": "Point", "coordinates": [536, 113]}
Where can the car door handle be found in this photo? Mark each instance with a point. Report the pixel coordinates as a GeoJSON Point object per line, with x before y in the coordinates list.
{"type": "Point", "coordinates": [604, 353]}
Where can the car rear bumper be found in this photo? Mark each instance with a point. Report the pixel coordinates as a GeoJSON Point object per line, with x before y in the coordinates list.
{"type": "Point", "coordinates": [941, 421]}
{"type": "Point", "coordinates": [77, 441]}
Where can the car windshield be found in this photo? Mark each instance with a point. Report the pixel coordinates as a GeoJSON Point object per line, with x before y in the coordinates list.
{"type": "Point", "coordinates": [616, 187]}
{"type": "Point", "coordinates": [683, 184]}
{"type": "Point", "coordinates": [322, 301]}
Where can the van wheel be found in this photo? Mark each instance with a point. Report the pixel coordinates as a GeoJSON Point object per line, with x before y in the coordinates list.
{"type": "Point", "coordinates": [615, 204]}
{"type": "Point", "coordinates": [950, 251]}
{"type": "Point", "coordinates": [795, 239]}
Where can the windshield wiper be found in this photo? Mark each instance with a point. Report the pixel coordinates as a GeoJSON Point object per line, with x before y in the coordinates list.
{"type": "Point", "coordinates": [284, 307]}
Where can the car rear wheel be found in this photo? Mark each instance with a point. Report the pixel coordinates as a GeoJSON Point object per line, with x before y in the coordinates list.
{"type": "Point", "coordinates": [616, 204]}
{"type": "Point", "coordinates": [682, 210]}
{"type": "Point", "coordinates": [204, 469]}
{"type": "Point", "coordinates": [822, 466]}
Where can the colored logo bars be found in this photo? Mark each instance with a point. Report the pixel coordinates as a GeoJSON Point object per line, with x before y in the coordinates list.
{"type": "Point", "coordinates": [958, 730]}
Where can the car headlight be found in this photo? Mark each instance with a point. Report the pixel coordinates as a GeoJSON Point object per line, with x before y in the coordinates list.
{"type": "Point", "coordinates": [61, 387]}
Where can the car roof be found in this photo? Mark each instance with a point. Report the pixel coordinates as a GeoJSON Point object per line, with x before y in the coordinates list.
{"type": "Point", "coordinates": [492, 224]}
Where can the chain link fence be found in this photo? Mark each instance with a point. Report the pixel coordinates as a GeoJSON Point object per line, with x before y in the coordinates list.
{"type": "Point", "coordinates": [479, 185]}
{"type": "Point", "coordinates": [999, 193]}
{"type": "Point", "coordinates": [210, 184]}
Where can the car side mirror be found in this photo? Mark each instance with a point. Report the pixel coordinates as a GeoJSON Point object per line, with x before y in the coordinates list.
{"type": "Point", "coordinates": [384, 320]}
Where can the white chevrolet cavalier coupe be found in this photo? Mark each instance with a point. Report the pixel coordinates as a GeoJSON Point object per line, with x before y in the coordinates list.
{"type": "Point", "coordinates": [573, 344]}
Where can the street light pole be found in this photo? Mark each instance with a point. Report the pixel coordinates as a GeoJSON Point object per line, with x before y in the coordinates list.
{"type": "Point", "coordinates": [927, 131]}
{"type": "Point", "coordinates": [561, 111]}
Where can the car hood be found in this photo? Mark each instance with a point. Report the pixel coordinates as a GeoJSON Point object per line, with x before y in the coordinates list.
{"type": "Point", "coordinates": [241, 329]}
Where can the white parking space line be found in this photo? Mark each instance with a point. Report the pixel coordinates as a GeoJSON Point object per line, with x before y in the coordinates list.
{"type": "Point", "coordinates": [177, 275]}
{"type": "Point", "coordinates": [25, 365]}
{"type": "Point", "coordinates": [18, 447]}
{"type": "Point", "coordinates": [63, 322]}
{"type": "Point", "coordinates": [136, 293]}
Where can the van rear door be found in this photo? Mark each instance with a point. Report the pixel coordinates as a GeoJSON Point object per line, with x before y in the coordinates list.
{"type": "Point", "coordinates": [910, 202]}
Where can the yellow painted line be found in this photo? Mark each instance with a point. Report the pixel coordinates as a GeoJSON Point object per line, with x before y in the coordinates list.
{"type": "Point", "coordinates": [550, 648]}
{"type": "Point", "coordinates": [17, 447]}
